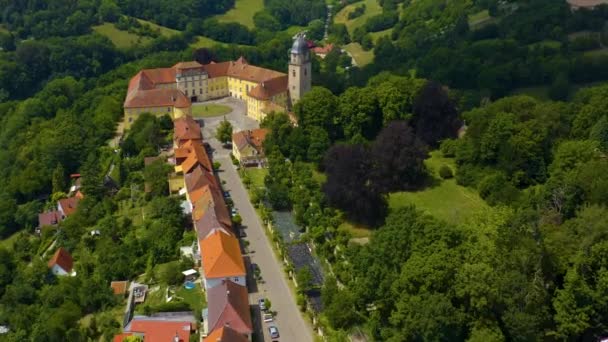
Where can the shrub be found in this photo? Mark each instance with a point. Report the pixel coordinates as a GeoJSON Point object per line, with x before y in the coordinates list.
{"type": "Point", "coordinates": [216, 165]}
{"type": "Point", "coordinates": [497, 189]}
{"type": "Point", "coordinates": [445, 172]}
{"type": "Point", "coordinates": [448, 147]}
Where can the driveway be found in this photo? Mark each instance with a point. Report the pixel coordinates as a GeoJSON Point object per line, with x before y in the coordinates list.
{"type": "Point", "coordinates": [292, 326]}
{"type": "Point", "coordinates": [238, 119]}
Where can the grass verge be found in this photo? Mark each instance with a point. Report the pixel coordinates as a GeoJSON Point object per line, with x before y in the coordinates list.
{"type": "Point", "coordinates": [121, 39]}
{"type": "Point", "coordinates": [361, 56]}
{"type": "Point", "coordinates": [372, 7]}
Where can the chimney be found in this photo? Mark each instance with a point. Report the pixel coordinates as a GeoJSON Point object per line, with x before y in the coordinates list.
{"type": "Point", "coordinates": [176, 338]}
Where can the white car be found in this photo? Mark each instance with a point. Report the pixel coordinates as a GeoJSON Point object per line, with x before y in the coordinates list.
{"type": "Point", "coordinates": [267, 317]}
{"type": "Point", "coordinates": [274, 331]}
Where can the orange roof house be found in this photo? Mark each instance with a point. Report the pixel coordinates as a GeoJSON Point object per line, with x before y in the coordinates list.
{"type": "Point", "coordinates": [67, 206]}
{"type": "Point", "coordinates": [322, 51]}
{"type": "Point", "coordinates": [221, 256]}
{"type": "Point", "coordinates": [587, 4]}
{"type": "Point", "coordinates": [196, 155]}
{"type": "Point", "coordinates": [49, 218]}
{"type": "Point", "coordinates": [159, 329]}
{"type": "Point", "coordinates": [198, 178]}
{"type": "Point", "coordinates": [247, 146]}
{"type": "Point", "coordinates": [186, 128]}
{"type": "Point", "coordinates": [267, 89]}
{"type": "Point", "coordinates": [61, 263]}
{"type": "Point", "coordinates": [229, 306]}
{"type": "Point", "coordinates": [225, 334]}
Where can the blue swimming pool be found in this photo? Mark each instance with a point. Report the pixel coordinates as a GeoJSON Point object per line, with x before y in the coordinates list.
{"type": "Point", "coordinates": [189, 285]}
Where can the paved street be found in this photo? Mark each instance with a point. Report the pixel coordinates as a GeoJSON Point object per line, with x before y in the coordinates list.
{"type": "Point", "coordinates": [289, 320]}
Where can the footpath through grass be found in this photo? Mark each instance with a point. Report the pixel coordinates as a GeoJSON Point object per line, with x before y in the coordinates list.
{"type": "Point", "coordinates": [209, 110]}
{"type": "Point", "coordinates": [446, 200]}
{"type": "Point", "coordinates": [361, 56]}
{"type": "Point", "coordinates": [243, 12]}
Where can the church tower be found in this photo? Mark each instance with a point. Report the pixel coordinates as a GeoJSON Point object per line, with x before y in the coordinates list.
{"type": "Point", "coordinates": [299, 69]}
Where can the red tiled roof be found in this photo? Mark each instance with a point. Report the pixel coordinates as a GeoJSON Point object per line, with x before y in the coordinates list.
{"type": "Point", "coordinates": [323, 49]}
{"type": "Point", "coordinates": [225, 334]}
{"type": "Point", "coordinates": [186, 128]}
{"type": "Point", "coordinates": [49, 218]}
{"type": "Point", "coordinates": [196, 156]}
{"type": "Point", "coordinates": [63, 259]}
{"type": "Point", "coordinates": [119, 287]}
{"type": "Point", "coordinates": [215, 218]}
{"type": "Point", "coordinates": [158, 330]}
{"type": "Point", "coordinates": [187, 65]}
{"type": "Point", "coordinates": [199, 178]}
{"type": "Point", "coordinates": [242, 70]}
{"type": "Point", "coordinates": [267, 89]}
{"type": "Point", "coordinates": [161, 97]}
{"type": "Point", "coordinates": [221, 256]}
{"type": "Point", "coordinates": [229, 306]}
{"type": "Point", "coordinates": [69, 205]}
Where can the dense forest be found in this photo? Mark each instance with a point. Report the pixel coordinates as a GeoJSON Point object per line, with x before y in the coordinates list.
{"type": "Point", "coordinates": [530, 268]}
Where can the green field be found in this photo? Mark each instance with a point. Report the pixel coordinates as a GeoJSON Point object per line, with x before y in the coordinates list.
{"type": "Point", "coordinates": [371, 8]}
{"type": "Point", "coordinates": [355, 231]}
{"type": "Point", "coordinates": [243, 12]}
{"type": "Point", "coordinates": [446, 200]}
{"type": "Point", "coordinates": [121, 39]}
{"type": "Point", "coordinates": [361, 56]}
{"type": "Point", "coordinates": [209, 110]}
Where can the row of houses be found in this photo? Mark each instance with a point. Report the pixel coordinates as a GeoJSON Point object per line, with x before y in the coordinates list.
{"type": "Point", "coordinates": [227, 317]}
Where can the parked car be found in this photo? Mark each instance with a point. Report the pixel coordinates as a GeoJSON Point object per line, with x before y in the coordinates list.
{"type": "Point", "coordinates": [233, 211]}
{"type": "Point", "coordinates": [226, 194]}
{"type": "Point", "coordinates": [262, 304]}
{"type": "Point", "coordinates": [242, 233]}
{"type": "Point", "coordinates": [267, 317]}
{"type": "Point", "coordinates": [274, 331]}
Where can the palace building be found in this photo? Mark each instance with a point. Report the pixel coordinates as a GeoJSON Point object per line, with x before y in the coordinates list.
{"type": "Point", "coordinates": [173, 90]}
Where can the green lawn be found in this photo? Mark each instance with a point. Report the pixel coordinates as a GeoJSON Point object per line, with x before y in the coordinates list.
{"type": "Point", "coordinates": [371, 8]}
{"type": "Point", "coordinates": [243, 12]}
{"type": "Point", "coordinates": [554, 44]}
{"type": "Point", "coordinates": [361, 56]}
{"type": "Point", "coordinates": [257, 176]}
{"type": "Point", "coordinates": [209, 110]}
{"type": "Point", "coordinates": [446, 200]}
{"type": "Point", "coordinates": [194, 297]}
{"type": "Point", "coordinates": [596, 53]}
{"type": "Point", "coordinates": [121, 39]}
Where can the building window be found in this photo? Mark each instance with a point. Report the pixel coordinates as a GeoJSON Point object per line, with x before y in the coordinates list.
{"type": "Point", "coordinates": [186, 92]}
{"type": "Point", "coordinates": [200, 83]}
{"type": "Point", "coordinates": [293, 87]}
{"type": "Point", "coordinates": [168, 109]}
{"type": "Point", "coordinates": [130, 119]}
{"type": "Point", "coordinates": [304, 71]}
{"type": "Point", "coordinates": [293, 73]}
{"type": "Point", "coordinates": [200, 91]}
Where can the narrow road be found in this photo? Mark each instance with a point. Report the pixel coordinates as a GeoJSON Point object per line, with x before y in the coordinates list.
{"type": "Point", "coordinates": [292, 326]}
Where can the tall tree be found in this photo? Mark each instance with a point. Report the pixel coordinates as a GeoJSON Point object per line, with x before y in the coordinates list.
{"type": "Point", "coordinates": [58, 180]}
{"type": "Point", "coordinates": [435, 115]}
{"type": "Point", "coordinates": [224, 132]}
{"type": "Point", "coordinates": [349, 186]}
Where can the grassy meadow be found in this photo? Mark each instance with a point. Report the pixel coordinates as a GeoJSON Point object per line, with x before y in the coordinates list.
{"type": "Point", "coordinates": [243, 12]}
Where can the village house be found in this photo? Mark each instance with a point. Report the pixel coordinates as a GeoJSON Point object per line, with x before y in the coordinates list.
{"type": "Point", "coordinates": [67, 206]}
{"type": "Point", "coordinates": [173, 90]}
{"type": "Point", "coordinates": [160, 328]}
{"type": "Point", "coordinates": [186, 129]}
{"type": "Point", "coordinates": [222, 260]}
{"type": "Point", "coordinates": [61, 264]}
{"type": "Point", "coordinates": [228, 306]}
{"type": "Point", "coordinates": [48, 219]}
{"type": "Point", "coordinates": [247, 146]}
{"type": "Point", "coordinates": [120, 288]}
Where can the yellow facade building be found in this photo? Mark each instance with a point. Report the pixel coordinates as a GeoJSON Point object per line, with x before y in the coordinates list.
{"type": "Point", "coordinates": [173, 90]}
